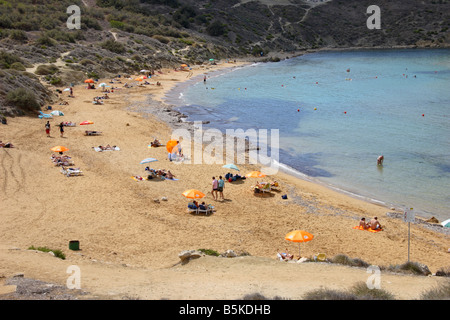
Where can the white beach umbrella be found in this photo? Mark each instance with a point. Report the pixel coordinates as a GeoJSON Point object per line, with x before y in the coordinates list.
{"type": "Point", "coordinates": [446, 223]}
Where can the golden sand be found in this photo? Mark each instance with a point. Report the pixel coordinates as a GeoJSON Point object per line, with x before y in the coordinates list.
{"type": "Point", "coordinates": [130, 243]}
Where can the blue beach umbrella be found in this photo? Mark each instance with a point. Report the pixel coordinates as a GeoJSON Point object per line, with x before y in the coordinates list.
{"type": "Point", "coordinates": [148, 160]}
{"type": "Point", "coordinates": [231, 166]}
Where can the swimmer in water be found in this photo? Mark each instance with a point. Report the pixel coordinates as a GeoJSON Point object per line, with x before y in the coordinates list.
{"type": "Point", "coordinates": [380, 160]}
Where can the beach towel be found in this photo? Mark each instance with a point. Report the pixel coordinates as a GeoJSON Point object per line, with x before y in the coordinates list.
{"type": "Point", "coordinates": [369, 229]}
{"type": "Point", "coordinates": [173, 179]}
{"type": "Point", "coordinates": [138, 178]}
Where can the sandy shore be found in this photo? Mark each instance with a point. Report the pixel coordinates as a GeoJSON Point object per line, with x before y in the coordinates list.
{"type": "Point", "coordinates": [130, 243]}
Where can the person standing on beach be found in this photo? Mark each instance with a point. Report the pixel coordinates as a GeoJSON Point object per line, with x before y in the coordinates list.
{"type": "Point", "coordinates": [204, 79]}
{"type": "Point", "coordinates": [220, 186]}
{"type": "Point", "coordinates": [61, 129]}
{"type": "Point", "coordinates": [47, 128]}
{"type": "Point", "coordinates": [215, 185]}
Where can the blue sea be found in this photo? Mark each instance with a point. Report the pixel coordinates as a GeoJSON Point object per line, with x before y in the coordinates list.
{"type": "Point", "coordinates": [337, 112]}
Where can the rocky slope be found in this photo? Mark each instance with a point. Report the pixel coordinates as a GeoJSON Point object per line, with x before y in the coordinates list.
{"type": "Point", "coordinates": [125, 36]}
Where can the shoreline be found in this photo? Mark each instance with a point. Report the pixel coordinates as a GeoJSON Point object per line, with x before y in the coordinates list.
{"type": "Point", "coordinates": [170, 95]}
{"type": "Point", "coordinates": [127, 232]}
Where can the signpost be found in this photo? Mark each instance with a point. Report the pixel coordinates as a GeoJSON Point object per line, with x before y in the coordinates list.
{"type": "Point", "coordinates": [409, 216]}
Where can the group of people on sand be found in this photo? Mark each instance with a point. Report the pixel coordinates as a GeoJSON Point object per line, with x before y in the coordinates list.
{"type": "Point", "coordinates": [61, 160]}
{"type": "Point", "coordinates": [217, 188]}
{"type": "Point", "coordinates": [61, 128]}
{"type": "Point", "coordinates": [160, 172]}
{"type": "Point", "coordinates": [203, 206]}
{"type": "Point", "coordinates": [373, 224]}
{"type": "Point", "coordinates": [107, 147]}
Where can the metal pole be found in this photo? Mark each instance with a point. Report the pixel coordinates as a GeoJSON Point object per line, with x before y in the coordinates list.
{"type": "Point", "coordinates": [409, 237]}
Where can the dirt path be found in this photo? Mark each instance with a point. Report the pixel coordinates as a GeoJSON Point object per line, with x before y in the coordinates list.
{"type": "Point", "coordinates": [206, 278]}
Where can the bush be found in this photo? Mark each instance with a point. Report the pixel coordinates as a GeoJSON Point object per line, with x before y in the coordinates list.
{"type": "Point", "coordinates": [443, 272]}
{"type": "Point", "coordinates": [161, 39]}
{"type": "Point", "coordinates": [441, 292]}
{"type": "Point", "coordinates": [359, 291]}
{"type": "Point", "coordinates": [23, 98]}
{"type": "Point", "coordinates": [343, 259]}
{"type": "Point", "coordinates": [18, 66]}
{"type": "Point", "coordinates": [113, 46]}
{"type": "Point", "coordinates": [209, 252]}
{"type": "Point", "coordinates": [259, 296]}
{"type": "Point", "coordinates": [8, 59]}
{"type": "Point", "coordinates": [43, 70]}
{"type": "Point", "coordinates": [18, 35]}
{"type": "Point", "coordinates": [216, 29]}
{"type": "Point", "coordinates": [58, 253]}
{"type": "Point", "coordinates": [328, 294]}
{"type": "Point", "coordinates": [410, 267]}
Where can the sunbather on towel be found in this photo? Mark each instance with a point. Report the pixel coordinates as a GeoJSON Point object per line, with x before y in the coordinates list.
{"type": "Point", "coordinates": [375, 224]}
{"type": "Point", "coordinates": [363, 224]}
{"type": "Point", "coordinates": [169, 175]}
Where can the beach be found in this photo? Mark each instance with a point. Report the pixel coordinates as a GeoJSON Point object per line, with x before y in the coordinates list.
{"type": "Point", "coordinates": [131, 232]}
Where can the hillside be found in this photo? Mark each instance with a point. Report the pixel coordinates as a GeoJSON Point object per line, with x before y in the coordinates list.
{"type": "Point", "coordinates": [125, 36]}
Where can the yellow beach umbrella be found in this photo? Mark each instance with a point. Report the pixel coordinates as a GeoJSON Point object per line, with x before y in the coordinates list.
{"type": "Point", "coordinates": [255, 174]}
{"type": "Point", "coordinates": [193, 194]}
{"type": "Point", "coordinates": [299, 236]}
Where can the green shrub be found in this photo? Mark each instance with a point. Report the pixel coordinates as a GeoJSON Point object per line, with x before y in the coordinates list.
{"type": "Point", "coordinates": [328, 294]}
{"type": "Point", "coordinates": [8, 59]}
{"type": "Point", "coordinates": [55, 81]}
{"type": "Point", "coordinates": [443, 272]}
{"type": "Point", "coordinates": [161, 39]}
{"type": "Point", "coordinates": [409, 267]}
{"type": "Point", "coordinates": [361, 290]}
{"type": "Point", "coordinates": [46, 69]}
{"type": "Point", "coordinates": [18, 35]}
{"type": "Point", "coordinates": [18, 66]}
{"type": "Point", "coordinates": [209, 252]}
{"type": "Point", "coordinates": [113, 46]}
{"type": "Point", "coordinates": [23, 98]}
{"type": "Point", "coordinates": [440, 292]}
{"type": "Point", "coordinates": [58, 253]}
{"type": "Point", "coordinates": [347, 261]}
{"type": "Point", "coordinates": [216, 29]}
{"type": "Point", "coordinates": [259, 296]}
{"type": "Point", "coordinates": [45, 40]}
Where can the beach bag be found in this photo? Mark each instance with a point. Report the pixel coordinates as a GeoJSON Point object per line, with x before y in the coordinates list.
{"type": "Point", "coordinates": [284, 196]}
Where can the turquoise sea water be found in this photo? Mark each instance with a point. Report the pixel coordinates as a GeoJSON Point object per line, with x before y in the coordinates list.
{"type": "Point", "coordinates": [353, 106]}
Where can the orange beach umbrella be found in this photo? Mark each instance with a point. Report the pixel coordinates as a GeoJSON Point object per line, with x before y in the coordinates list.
{"type": "Point", "coordinates": [59, 149]}
{"type": "Point", "coordinates": [299, 236]}
{"type": "Point", "coordinates": [193, 194]}
{"type": "Point", "coordinates": [170, 145]}
{"type": "Point", "coordinates": [89, 81]}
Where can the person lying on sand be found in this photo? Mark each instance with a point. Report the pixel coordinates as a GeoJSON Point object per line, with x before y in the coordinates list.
{"type": "Point", "coordinates": [285, 255]}
{"type": "Point", "coordinates": [6, 145]}
{"type": "Point", "coordinates": [169, 175]}
{"type": "Point", "coordinates": [156, 143]}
